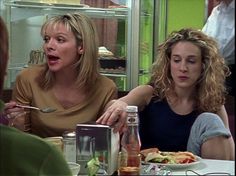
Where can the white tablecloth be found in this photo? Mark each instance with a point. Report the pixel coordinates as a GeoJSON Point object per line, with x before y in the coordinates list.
{"type": "Point", "coordinates": [209, 166]}
{"type": "Point", "coordinates": [203, 167]}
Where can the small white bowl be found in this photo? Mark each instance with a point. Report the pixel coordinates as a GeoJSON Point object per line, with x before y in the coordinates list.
{"type": "Point", "coordinates": [74, 167]}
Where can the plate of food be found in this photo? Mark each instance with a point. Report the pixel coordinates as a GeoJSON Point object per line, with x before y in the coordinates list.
{"type": "Point", "coordinates": [173, 160]}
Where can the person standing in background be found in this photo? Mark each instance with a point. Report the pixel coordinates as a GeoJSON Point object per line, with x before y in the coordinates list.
{"type": "Point", "coordinates": [17, 149]}
{"type": "Point", "coordinates": [220, 25]}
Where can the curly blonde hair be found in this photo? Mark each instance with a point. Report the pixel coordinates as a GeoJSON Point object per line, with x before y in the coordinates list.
{"type": "Point", "coordinates": [210, 88]}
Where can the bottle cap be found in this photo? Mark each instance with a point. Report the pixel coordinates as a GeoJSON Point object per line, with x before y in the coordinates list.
{"type": "Point", "coordinates": [131, 109]}
{"type": "Point", "coordinates": [69, 134]}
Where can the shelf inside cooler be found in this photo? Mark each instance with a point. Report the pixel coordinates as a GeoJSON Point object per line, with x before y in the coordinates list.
{"type": "Point", "coordinates": [112, 65]}
{"type": "Point", "coordinates": [40, 8]}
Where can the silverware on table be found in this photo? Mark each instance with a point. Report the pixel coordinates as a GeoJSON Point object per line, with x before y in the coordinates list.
{"type": "Point", "coordinates": [44, 110]}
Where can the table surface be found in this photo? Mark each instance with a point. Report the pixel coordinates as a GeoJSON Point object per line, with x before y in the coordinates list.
{"type": "Point", "coordinates": [205, 166]}
{"type": "Point", "coordinates": [209, 166]}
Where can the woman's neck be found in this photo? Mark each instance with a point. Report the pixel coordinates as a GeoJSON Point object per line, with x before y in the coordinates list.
{"type": "Point", "coordinates": [184, 94]}
{"type": "Point", "coordinates": [65, 78]}
{"type": "Point", "coordinates": [182, 102]}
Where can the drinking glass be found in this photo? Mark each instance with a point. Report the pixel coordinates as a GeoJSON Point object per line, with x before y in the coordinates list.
{"type": "Point", "coordinates": [74, 167]}
{"type": "Point", "coordinates": [128, 164]}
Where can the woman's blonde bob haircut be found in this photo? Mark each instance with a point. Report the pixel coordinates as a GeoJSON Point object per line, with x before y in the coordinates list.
{"type": "Point", "coordinates": [85, 32]}
{"type": "Point", "coordinates": [210, 87]}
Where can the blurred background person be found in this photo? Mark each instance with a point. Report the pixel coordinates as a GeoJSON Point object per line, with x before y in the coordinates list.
{"type": "Point", "coordinates": [221, 26]}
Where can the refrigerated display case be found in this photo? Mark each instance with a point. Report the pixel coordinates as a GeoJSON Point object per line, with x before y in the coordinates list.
{"type": "Point", "coordinates": [126, 29]}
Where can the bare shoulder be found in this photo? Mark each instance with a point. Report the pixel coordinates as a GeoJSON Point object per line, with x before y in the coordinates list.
{"type": "Point", "coordinates": [140, 96]}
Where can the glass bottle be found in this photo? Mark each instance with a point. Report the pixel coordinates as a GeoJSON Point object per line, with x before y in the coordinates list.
{"type": "Point", "coordinates": [69, 146]}
{"type": "Point", "coordinates": [130, 144]}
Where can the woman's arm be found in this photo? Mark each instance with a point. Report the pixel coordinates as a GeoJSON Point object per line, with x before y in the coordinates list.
{"type": "Point", "coordinates": [139, 96]}
{"type": "Point", "coordinates": [115, 114]}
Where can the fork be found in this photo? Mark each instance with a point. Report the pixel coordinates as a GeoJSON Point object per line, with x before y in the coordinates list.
{"type": "Point", "coordinates": [44, 110]}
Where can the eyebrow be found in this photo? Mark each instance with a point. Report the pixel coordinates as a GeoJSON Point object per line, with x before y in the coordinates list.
{"type": "Point", "coordinates": [188, 55]}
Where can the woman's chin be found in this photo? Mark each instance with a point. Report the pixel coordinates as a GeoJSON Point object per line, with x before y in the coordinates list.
{"type": "Point", "coordinates": [53, 68]}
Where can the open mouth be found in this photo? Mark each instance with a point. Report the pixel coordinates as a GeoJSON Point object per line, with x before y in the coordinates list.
{"type": "Point", "coordinates": [52, 58]}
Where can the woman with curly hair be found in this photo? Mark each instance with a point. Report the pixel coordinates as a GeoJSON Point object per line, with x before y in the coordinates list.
{"type": "Point", "coordinates": [182, 107]}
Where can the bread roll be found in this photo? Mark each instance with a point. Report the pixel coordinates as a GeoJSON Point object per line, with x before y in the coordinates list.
{"type": "Point", "coordinates": [145, 152]}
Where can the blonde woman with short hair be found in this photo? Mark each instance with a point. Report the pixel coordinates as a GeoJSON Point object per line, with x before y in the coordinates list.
{"type": "Point", "coordinates": [69, 81]}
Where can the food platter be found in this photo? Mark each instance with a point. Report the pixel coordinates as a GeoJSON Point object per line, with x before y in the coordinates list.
{"type": "Point", "coordinates": [177, 166]}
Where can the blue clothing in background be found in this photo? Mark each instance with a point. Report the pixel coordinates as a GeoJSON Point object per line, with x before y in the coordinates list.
{"type": "Point", "coordinates": [162, 128]}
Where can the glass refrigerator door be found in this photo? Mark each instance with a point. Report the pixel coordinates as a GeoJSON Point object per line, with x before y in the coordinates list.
{"type": "Point", "coordinates": [24, 20]}
{"type": "Point", "coordinates": [125, 28]}
{"type": "Point", "coordinates": [149, 19]}
{"type": "Point", "coordinates": [146, 42]}
{"type": "Point", "coordinates": [149, 23]}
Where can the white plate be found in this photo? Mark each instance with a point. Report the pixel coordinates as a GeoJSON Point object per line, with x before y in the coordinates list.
{"type": "Point", "coordinates": [178, 166]}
